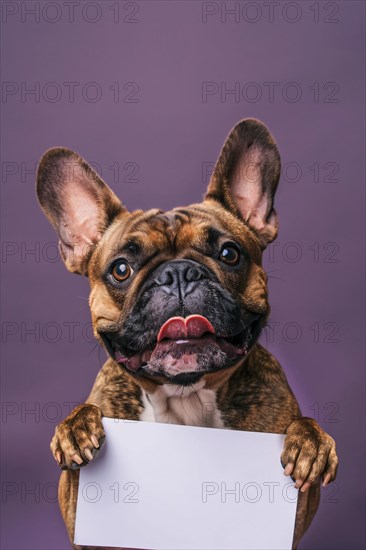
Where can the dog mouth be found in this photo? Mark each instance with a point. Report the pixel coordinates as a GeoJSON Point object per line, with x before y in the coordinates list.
{"type": "Point", "coordinates": [184, 350]}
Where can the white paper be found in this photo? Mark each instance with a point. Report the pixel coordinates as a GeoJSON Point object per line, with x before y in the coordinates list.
{"type": "Point", "coordinates": [169, 487]}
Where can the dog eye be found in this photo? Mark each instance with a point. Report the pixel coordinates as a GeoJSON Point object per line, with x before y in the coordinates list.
{"type": "Point", "coordinates": [121, 271]}
{"type": "Point", "coordinates": [229, 254]}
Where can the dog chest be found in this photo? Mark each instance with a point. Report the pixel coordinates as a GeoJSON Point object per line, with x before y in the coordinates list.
{"type": "Point", "coordinates": [189, 405]}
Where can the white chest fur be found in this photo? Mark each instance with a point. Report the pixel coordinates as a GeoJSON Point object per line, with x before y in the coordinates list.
{"type": "Point", "coordinates": [192, 406]}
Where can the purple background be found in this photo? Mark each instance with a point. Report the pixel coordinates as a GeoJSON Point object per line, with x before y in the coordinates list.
{"type": "Point", "coordinates": [169, 133]}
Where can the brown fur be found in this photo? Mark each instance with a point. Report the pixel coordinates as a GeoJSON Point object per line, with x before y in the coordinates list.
{"type": "Point", "coordinates": [253, 394]}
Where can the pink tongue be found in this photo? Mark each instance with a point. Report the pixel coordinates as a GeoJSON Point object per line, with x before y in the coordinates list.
{"type": "Point", "coordinates": [193, 326]}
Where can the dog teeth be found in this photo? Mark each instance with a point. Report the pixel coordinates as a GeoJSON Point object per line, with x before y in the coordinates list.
{"type": "Point", "coordinates": [146, 356]}
{"type": "Point", "coordinates": [181, 341]}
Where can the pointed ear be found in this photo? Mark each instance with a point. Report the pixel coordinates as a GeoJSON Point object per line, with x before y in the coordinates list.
{"type": "Point", "coordinates": [245, 178]}
{"type": "Point", "coordinates": [78, 204]}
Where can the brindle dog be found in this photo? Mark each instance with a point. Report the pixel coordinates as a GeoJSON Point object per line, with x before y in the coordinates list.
{"type": "Point", "coordinates": [178, 299]}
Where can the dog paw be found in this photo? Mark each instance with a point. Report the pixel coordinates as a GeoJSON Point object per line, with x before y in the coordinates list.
{"type": "Point", "coordinates": [309, 454]}
{"type": "Point", "coordinates": [78, 438]}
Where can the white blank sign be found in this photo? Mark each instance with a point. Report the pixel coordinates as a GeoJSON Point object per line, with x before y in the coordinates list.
{"type": "Point", "coordinates": [169, 487]}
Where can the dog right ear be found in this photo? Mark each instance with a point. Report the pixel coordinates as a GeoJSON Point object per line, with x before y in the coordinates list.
{"type": "Point", "coordinates": [78, 204]}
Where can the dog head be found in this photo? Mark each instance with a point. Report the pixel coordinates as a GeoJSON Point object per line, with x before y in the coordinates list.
{"type": "Point", "coordinates": [175, 296]}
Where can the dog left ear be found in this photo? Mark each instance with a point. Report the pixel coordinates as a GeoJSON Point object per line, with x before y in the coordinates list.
{"type": "Point", "coordinates": [246, 176]}
{"type": "Point", "coordinates": [78, 204]}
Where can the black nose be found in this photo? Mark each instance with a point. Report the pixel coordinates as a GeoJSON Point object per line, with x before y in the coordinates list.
{"type": "Point", "coordinates": [179, 277]}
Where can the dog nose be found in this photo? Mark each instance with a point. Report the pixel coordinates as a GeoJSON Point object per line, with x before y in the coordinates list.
{"type": "Point", "coordinates": [179, 276]}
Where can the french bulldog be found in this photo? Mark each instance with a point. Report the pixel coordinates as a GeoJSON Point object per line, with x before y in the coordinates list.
{"type": "Point", "coordinates": [178, 300]}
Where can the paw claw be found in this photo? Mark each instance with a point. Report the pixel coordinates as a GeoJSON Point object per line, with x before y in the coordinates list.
{"type": "Point", "coordinates": [305, 487]}
{"type": "Point", "coordinates": [95, 441]}
{"type": "Point", "coordinates": [288, 470]}
{"type": "Point", "coordinates": [76, 458]}
{"type": "Point", "coordinates": [326, 480]}
{"type": "Point", "coordinates": [88, 454]}
{"type": "Point", "coordinates": [78, 438]}
{"type": "Point", "coordinates": [309, 454]}
{"type": "Point", "coordinates": [298, 483]}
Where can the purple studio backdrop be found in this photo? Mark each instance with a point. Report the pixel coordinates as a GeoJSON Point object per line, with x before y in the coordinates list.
{"type": "Point", "coordinates": [148, 91]}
